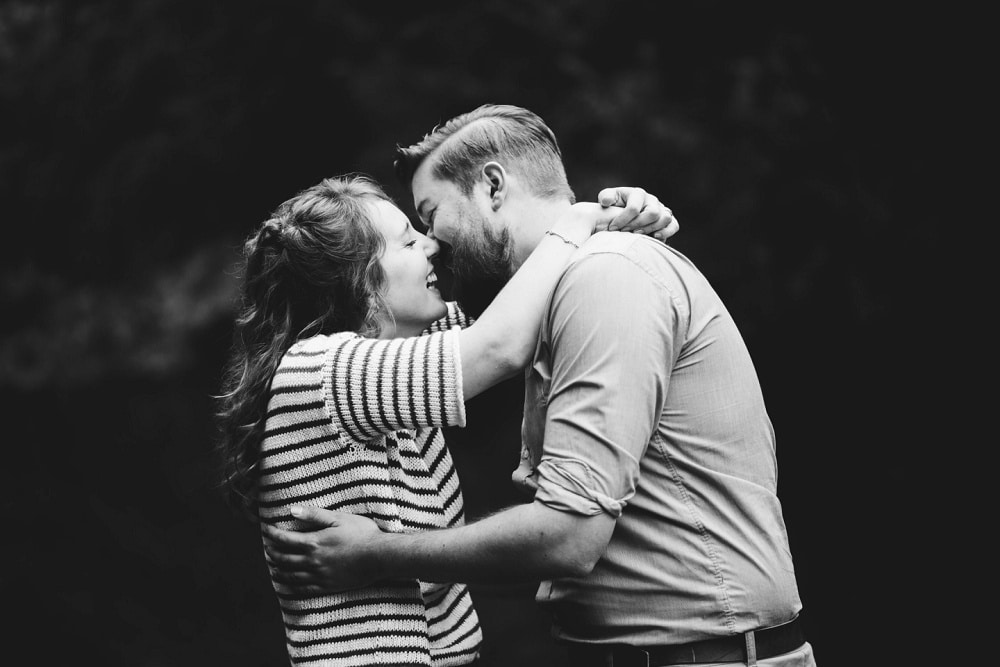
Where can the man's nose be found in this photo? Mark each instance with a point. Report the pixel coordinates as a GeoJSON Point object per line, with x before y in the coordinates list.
{"type": "Point", "coordinates": [432, 248]}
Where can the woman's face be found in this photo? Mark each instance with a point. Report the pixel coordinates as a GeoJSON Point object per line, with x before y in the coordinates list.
{"type": "Point", "coordinates": [411, 293]}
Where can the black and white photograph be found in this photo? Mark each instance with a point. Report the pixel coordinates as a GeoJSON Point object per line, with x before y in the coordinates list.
{"type": "Point", "coordinates": [534, 334]}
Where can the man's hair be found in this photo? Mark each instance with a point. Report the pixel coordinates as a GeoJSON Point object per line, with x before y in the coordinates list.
{"type": "Point", "coordinates": [515, 137]}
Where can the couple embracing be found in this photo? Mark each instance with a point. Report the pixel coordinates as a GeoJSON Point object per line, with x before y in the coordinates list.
{"type": "Point", "coordinates": [654, 524]}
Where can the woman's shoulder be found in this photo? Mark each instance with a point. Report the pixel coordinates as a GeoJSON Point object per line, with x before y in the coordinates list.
{"type": "Point", "coordinates": [308, 355]}
{"type": "Point", "coordinates": [321, 343]}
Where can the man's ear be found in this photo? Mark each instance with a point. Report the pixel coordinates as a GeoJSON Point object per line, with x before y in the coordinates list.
{"type": "Point", "coordinates": [495, 178]}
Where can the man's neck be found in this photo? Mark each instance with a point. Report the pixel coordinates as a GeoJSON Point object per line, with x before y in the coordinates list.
{"type": "Point", "coordinates": [529, 224]}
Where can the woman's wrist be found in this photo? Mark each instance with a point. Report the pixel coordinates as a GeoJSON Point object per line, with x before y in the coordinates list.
{"type": "Point", "coordinates": [562, 238]}
{"type": "Point", "coordinates": [575, 226]}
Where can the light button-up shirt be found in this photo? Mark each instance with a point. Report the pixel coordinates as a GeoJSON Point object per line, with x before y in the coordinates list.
{"type": "Point", "coordinates": [642, 402]}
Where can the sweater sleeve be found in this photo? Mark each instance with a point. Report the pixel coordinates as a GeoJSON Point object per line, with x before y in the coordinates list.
{"type": "Point", "coordinates": [373, 387]}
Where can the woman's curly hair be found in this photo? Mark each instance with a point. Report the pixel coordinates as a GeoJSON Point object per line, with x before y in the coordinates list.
{"type": "Point", "coordinates": [312, 268]}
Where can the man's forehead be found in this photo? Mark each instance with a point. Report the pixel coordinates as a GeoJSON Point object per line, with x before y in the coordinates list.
{"type": "Point", "coordinates": [429, 191]}
{"type": "Point", "coordinates": [420, 187]}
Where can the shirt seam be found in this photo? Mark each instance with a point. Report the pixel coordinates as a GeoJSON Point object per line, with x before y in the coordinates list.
{"type": "Point", "coordinates": [728, 611]}
{"type": "Point", "coordinates": [645, 268]}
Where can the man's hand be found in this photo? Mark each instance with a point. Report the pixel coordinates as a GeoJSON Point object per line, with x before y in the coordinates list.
{"type": "Point", "coordinates": [332, 556]}
{"type": "Point", "coordinates": [643, 213]}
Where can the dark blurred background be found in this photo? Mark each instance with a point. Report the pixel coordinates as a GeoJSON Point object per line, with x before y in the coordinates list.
{"type": "Point", "coordinates": [141, 141]}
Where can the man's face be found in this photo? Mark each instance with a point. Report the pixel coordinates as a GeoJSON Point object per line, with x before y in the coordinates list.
{"type": "Point", "coordinates": [479, 251]}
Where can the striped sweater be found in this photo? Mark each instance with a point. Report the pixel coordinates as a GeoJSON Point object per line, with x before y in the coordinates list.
{"type": "Point", "coordinates": [354, 424]}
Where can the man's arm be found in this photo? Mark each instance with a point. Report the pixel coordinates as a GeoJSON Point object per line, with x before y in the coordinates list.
{"type": "Point", "coordinates": [524, 542]}
{"type": "Point", "coordinates": [613, 329]}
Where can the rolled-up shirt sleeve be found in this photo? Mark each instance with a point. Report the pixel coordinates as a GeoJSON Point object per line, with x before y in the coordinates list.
{"type": "Point", "coordinates": [612, 329]}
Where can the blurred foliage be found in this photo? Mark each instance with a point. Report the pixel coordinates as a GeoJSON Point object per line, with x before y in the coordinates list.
{"type": "Point", "coordinates": [141, 141]}
{"type": "Point", "coordinates": [137, 134]}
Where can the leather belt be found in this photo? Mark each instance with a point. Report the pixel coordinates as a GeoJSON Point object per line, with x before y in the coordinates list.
{"type": "Point", "coordinates": [765, 643]}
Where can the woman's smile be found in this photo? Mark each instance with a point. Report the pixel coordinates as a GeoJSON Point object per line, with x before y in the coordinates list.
{"type": "Point", "coordinates": [411, 292]}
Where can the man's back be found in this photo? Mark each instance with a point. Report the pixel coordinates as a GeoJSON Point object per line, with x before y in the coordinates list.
{"type": "Point", "coordinates": [649, 408]}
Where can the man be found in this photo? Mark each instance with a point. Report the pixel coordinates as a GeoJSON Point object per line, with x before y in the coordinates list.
{"type": "Point", "coordinates": [655, 523]}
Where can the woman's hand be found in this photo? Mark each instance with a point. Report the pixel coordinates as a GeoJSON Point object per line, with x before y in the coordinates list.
{"type": "Point", "coordinates": [641, 213]}
{"type": "Point", "coordinates": [620, 209]}
{"type": "Point", "coordinates": [581, 220]}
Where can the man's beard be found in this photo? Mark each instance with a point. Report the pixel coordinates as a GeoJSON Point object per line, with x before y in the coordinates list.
{"type": "Point", "coordinates": [479, 253]}
{"type": "Point", "coordinates": [482, 263]}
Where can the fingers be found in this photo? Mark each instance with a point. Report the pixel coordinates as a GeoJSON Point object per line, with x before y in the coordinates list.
{"type": "Point", "coordinates": [285, 541]}
{"type": "Point", "coordinates": [608, 197]}
{"type": "Point", "coordinates": [598, 216]}
{"type": "Point", "coordinates": [619, 199]}
{"type": "Point", "coordinates": [287, 568]}
{"type": "Point", "coordinates": [653, 218]}
{"type": "Point", "coordinates": [663, 234]}
{"type": "Point", "coordinates": [293, 577]}
{"type": "Point", "coordinates": [638, 211]}
{"type": "Point", "coordinates": [633, 203]}
{"type": "Point", "coordinates": [617, 196]}
{"type": "Point", "coordinates": [279, 557]}
{"type": "Point", "coordinates": [298, 583]}
{"type": "Point", "coordinates": [314, 517]}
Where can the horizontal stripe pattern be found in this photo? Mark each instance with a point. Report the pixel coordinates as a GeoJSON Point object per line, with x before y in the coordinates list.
{"type": "Point", "coordinates": [456, 317]}
{"type": "Point", "coordinates": [354, 424]}
{"type": "Point", "coordinates": [383, 386]}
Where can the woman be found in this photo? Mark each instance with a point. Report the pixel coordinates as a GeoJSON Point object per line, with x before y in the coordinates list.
{"type": "Point", "coordinates": [334, 398]}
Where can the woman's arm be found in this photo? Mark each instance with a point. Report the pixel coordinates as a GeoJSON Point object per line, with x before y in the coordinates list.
{"type": "Point", "coordinates": [501, 341]}
{"type": "Point", "coordinates": [503, 338]}
{"type": "Point", "coordinates": [373, 387]}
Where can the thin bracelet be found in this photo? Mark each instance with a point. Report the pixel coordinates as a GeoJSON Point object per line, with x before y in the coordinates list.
{"type": "Point", "coordinates": [563, 238]}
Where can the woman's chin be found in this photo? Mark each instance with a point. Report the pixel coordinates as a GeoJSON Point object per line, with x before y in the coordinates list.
{"type": "Point", "coordinates": [443, 310]}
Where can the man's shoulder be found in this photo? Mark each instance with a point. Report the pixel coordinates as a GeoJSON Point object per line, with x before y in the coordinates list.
{"type": "Point", "coordinates": [622, 247]}
{"type": "Point", "coordinates": [635, 266]}
{"type": "Point", "coordinates": [615, 242]}
{"type": "Point", "coordinates": [622, 281]}
{"type": "Point", "coordinates": [610, 262]}
{"type": "Point", "coordinates": [625, 244]}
